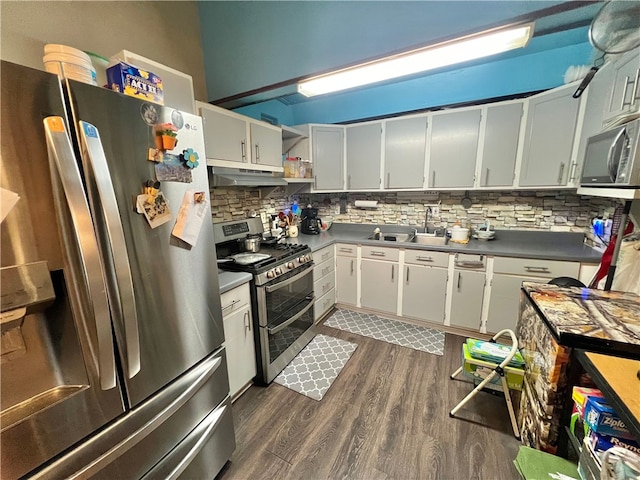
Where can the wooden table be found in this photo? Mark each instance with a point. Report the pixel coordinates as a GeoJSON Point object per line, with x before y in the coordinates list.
{"type": "Point", "coordinates": [618, 380]}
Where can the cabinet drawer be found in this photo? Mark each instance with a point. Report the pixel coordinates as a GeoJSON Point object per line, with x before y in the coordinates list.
{"type": "Point", "coordinates": [422, 257]}
{"type": "Point", "coordinates": [323, 304]}
{"type": "Point", "coordinates": [323, 254]}
{"type": "Point", "coordinates": [380, 253]}
{"type": "Point", "coordinates": [346, 250]}
{"type": "Point", "coordinates": [323, 285]}
{"type": "Point", "coordinates": [466, 261]}
{"type": "Point", "coordinates": [542, 268]}
{"type": "Point", "coordinates": [323, 269]}
{"type": "Point", "coordinates": [235, 299]}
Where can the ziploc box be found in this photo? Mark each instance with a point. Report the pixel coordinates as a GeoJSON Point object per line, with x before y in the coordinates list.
{"type": "Point", "coordinates": [477, 370]}
{"type": "Point", "coordinates": [580, 395]}
{"type": "Point", "coordinates": [136, 82]}
{"type": "Point", "coordinates": [603, 420]}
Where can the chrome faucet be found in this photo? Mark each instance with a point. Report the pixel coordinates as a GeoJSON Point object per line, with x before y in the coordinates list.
{"type": "Point", "coordinates": [426, 219]}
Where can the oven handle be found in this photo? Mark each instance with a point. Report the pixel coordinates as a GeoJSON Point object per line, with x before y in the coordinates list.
{"type": "Point", "coordinates": [284, 283]}
{"type": "Point", "coordinates": [283, 325]}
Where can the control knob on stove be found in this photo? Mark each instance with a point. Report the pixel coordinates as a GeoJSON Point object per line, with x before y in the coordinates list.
{"type": "Point", "coordinates": [290, 265]}
{"type": "Point", "coordinates": [307, 258]}
{"type": "Point", "coordinates": [301, 259]}
{"type": "Point", "coordinates": [278, 271]}
{"type": "Point", "coordinates": [271, 274]}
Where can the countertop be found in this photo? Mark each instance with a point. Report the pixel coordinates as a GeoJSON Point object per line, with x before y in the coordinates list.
{"type": "Point", "coordinates": [566, 246]}
{"type": "Point", "coordinates": [230, 280]}
{"type": "Point", "coordinates": [595, 320]}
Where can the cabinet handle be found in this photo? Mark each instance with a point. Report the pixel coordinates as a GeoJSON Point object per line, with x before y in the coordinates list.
{"type": "Point", "coordinates": [433, 178]}
{"type": "Point", "coordinates": [425, 259]}
{"type": "Point", "coordinates": [247, 321]}
{"type": "Point", "coordinates": [388, 179]}
{"type": "Point", "coordinates": [537, 269]}
{"type": "Point", "coordinates": [257, 153]}
{"type": "Point", "coordinates": [231, 305]}
{"type": "Point", "coordinates": [486, 178]}
{"type": "Point", "coordinates": [244, 152]}
{"type": "Point", "coordinates": [634, 95]}
{"type": "Point", "coordinates": [348, 182]}
{"type": "Point", "coordinates": [459, 280]}
{"type": "Point", "coordinates": [378, 254]}
{"type": "Point", "coordinates": [407, 275]}
{"type": "Point", "coordinates": [352, 267]}
{"type": "Point", "coordinates": [560, 173]}
{"type": "Point", "coordinates": [346, 250]}
{"type": "Point", "coordinates": [325, 256]}
{"type": "Point", "coordinates": [315, 185]}
{"type": "Point", "coordinates": [624, 93]}
{"type": "Point", "coordinates": [574, 168]}
{"type": "Point", "coordinates": [392, 272]}
{"type": "Point", "coordinates": [325, 271]}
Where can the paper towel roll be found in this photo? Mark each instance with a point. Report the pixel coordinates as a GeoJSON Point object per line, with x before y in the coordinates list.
{"type": "Point", "coordinates": [366, 203]}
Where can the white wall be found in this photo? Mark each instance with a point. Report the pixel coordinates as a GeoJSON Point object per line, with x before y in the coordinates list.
{"type": "Point", "coordinates": [167, 32]}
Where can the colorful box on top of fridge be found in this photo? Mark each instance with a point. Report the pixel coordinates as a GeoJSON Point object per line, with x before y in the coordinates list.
{"type": "Point", "coordinates": [603, 420]}
{"type": "Point", "coordinates": [135, 82]}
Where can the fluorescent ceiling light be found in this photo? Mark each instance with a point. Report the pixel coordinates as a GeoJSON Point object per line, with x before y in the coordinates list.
{"type": "Point", "coordinates": [460, 50]}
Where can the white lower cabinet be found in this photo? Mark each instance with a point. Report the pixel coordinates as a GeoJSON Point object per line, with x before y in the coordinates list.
{"type": "Point", "coordinates": [238, 333]}
{"type": "Point", "coordinates": [466, 300]}
{"type": "Point", "coordinates": [424, 293]}
{"type": "Point", "coordinates": [346, 290]}
{"type": "Point", "coordinates": [504, 303]}
{"type": "Point", "coordinates": [379, 282]}
{"type": "Point", "coordinates": [324, 282]}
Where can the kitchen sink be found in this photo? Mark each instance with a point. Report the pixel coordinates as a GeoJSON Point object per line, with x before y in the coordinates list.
{"type": "Point", "coordinates": [429, 239]}
{"type": "Point", "coordinates": [394, 237]}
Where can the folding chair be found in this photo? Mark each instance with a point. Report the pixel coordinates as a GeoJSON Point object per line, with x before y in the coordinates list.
{"type": "Point", "coordinates": [498, 370]}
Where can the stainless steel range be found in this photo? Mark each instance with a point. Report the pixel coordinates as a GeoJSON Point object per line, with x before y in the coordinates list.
{"type": "Point", "coordinates": [281, 293]}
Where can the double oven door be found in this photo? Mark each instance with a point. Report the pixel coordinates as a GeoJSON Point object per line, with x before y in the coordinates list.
{"type": "Point", "coordinates": [285, 319]}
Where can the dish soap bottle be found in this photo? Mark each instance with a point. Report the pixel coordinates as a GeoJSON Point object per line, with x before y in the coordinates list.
{"type": "Point", "coordinates": [376, 234]}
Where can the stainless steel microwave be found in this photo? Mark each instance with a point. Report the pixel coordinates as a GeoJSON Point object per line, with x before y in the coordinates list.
{"type": "Point", "coordinates": [612, 158]}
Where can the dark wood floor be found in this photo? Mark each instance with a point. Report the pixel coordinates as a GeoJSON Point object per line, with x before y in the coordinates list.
{"type": "Point", "coordinates": [385, 416]}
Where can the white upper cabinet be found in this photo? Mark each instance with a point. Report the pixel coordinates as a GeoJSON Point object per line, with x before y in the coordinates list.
{"type": "Point", "coordinates": [364, 154]}
{"type": "Point", "coordinates": [624, 98]}
{"type": "Point", "coordinates": [453, 148]}
{"type": "Point", "coordinates": [233, 140]}
{"type": "Point", "coordinates": [549, 138]}
{"type": "Point", "coordinates": [266, 145]}
{"type": "Point", "coordinates": [327, 155]}
{"type": "Point", "coordinates": [405, 141]}
{"type": "Point", "coordinates": [500, 144]}
{"type": "Point", "coordinates": [225, 136]}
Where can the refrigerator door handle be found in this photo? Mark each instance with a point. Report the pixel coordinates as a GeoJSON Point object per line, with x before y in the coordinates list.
{"type": "Point", "coordinates": [63, 166]}
{"type": "Point", "coordinates": [97, 161]}
{"type": "Point", "coordinates": [159, 471]}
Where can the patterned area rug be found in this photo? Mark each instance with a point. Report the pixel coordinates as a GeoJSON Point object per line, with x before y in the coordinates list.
{"type": "Point", "coordinates": [399, 333]}
{"type": "Point", "coordinates": [315, 368]}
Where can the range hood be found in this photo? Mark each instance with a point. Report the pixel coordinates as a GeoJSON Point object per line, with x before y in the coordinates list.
{"type": "Point", "coordinates": [231, 177]}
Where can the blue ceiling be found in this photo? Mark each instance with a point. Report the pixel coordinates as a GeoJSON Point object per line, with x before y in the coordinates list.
{"type": "Point", "coordinates": [254, 46]}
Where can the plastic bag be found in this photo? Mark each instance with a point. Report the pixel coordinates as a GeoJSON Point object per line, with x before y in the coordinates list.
{"type": "Point", "coordinates": [627, 276]}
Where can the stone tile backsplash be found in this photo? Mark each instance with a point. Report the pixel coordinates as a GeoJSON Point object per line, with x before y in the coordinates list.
{"type": "Point", "coordinates": [557, 210]}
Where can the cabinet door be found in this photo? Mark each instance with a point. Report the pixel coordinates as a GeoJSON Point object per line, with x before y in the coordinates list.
{"type": "Point", "coordinates": [266, 142]}
{"type": "Point", "coordinates": [504, 302]}
{"type": "Point", "coordinates": [404, 152]}
{"type": "Point", "coordinates": [379, 283]}
{"type": "Point", "coordinates": [364, 151]}
{"type": "Point", "coordinates": [624, 97]}
{"type": "Point", "coordinates": [500, 144]}
{"type": "Point", "coordinates": [454, 148]}
{"type": "Point", "coordinates": [225, 136]}
{"type": "Point", "coordinates": [328, 157]}
{"type": "Point", "coordinates": [424, 293]}
{"type": "Point", "coordinates": [346, 280]}
{"type": "Point", "coordinates": [466, 301]}
{"type": "Point", "coordinates": [548, 143]}
{"type": "Point", "coordinates": [241, 357]}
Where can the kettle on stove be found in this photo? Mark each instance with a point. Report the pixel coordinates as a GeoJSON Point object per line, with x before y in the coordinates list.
{"type": "Point", "coordinates": [311, 224]}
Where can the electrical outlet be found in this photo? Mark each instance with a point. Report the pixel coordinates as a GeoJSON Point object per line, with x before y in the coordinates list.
{"type": "Point", "coordinates": [435, 210]}
{"type": "Point", "coordinates": [263, 217]}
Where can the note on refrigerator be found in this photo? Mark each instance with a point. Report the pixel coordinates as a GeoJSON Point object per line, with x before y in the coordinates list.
{"type": "Point", "coordinates": [8, 200]}
{"type": "Point", "coordinates": [190, 216]}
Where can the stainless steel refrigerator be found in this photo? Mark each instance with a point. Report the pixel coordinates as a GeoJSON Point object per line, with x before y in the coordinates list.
{"type": "Point", "coordinates": [112, 364]}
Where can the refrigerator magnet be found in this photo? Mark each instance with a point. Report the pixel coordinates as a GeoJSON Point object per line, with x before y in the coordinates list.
{"type": "Point", "coordinates": [155, 155]}
{"type": "Point", "coordinates": [157, 211]}
{"type": "Point", "coordinates": [172, 169]}
{"type": "Point", "coordinates": [190, 158]}
{"type": "Point", "coordinates": [190, 217]}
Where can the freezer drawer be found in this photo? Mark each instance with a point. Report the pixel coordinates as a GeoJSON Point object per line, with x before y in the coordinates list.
{"type": "Point", "coordinates": [205, 450]}
{"type": "Point", "coordinates": [135, 443]}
